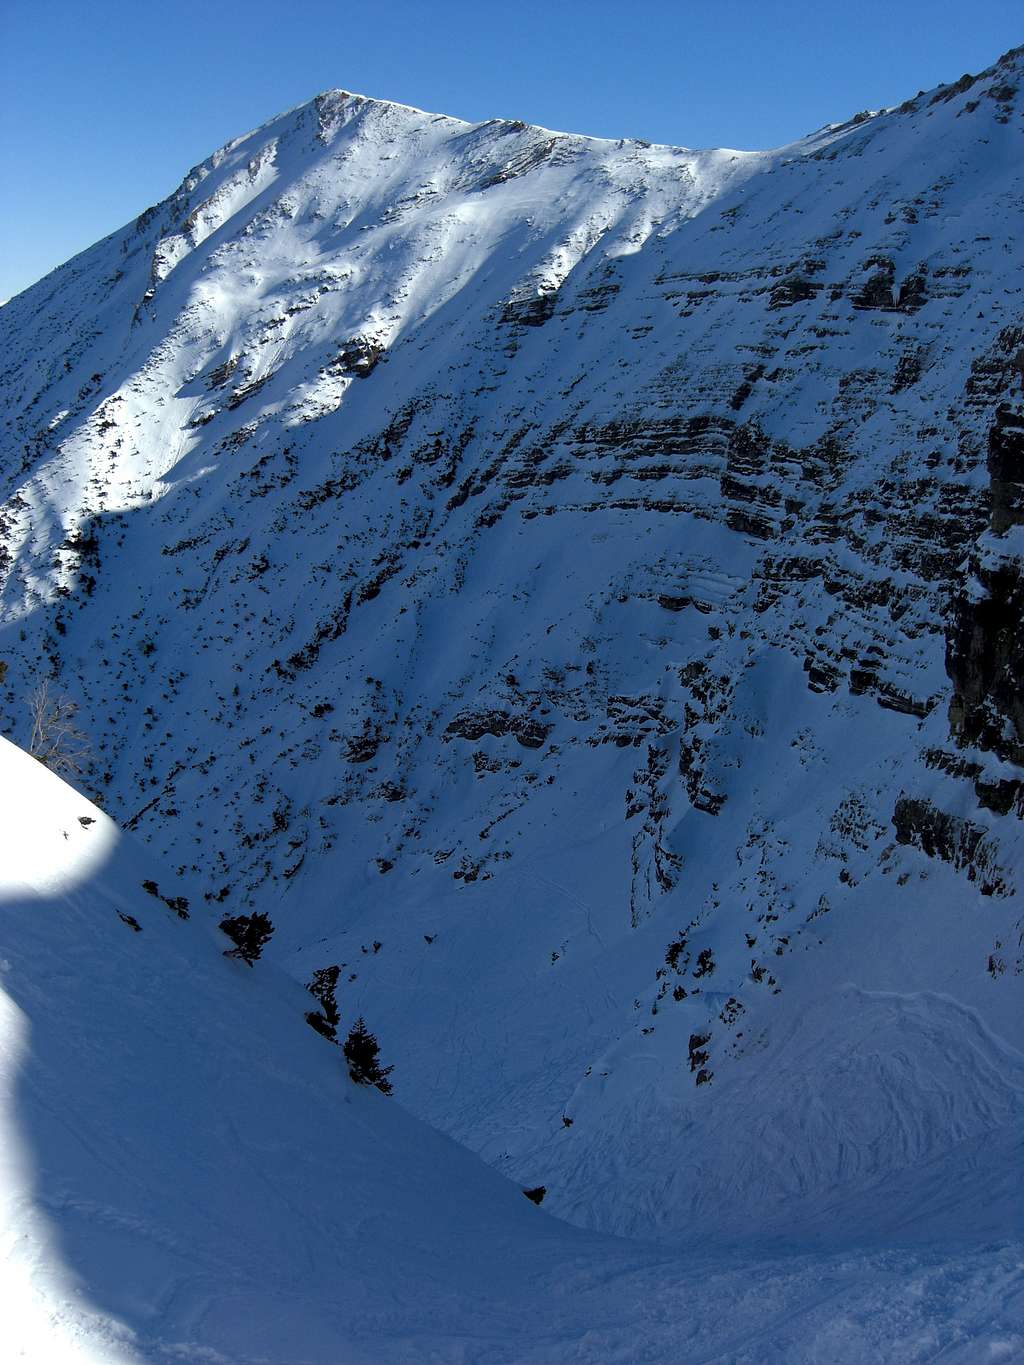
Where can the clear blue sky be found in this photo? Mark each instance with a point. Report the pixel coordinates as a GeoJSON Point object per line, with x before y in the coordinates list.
{"type": "Point", "coordinates": [105, 104]}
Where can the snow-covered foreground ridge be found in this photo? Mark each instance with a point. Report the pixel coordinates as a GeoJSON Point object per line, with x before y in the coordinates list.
{"type": "Point", "coordinates": [187, 1174]}
{"type": "Point", "coordinates": [574, 587]}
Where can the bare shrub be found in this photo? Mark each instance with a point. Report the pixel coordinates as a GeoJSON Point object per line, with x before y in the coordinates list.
{"type": "Point", "coordinates": [56, 739]}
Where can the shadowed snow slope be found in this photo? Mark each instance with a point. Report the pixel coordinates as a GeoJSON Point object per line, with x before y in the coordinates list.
{"type": "Point", "coordinates": [186, 1173]}
{"type": "Point", "coordinates": [574, 588]}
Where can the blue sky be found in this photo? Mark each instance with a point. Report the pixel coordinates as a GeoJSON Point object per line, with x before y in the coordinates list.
{"type": "Point", "coordinates": [105, 105]}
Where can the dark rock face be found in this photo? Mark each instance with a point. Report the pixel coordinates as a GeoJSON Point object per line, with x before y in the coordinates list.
{"type": "Point", "coordinates": [882, 291]}
{"type": "Point", "coordinates": [1006, 467]}
{"type": "Point", "coordinates": [953, 840]}
{"type": "Point", "coordinates": [985, 640]}
{"type": "Point", "coordinates": [795, 289]}
{"type": "Point", "coordinates": [878, 290]}
{"type": "Point", "coordinates": [358, 357]}
{"type": "Point", "coordinates": [530, 312]}
{"type": "Point", "coordinates": [698, 1050]}
{"type": "Point", "coordinates": [999, 797]}
{"type": "Point", "coordinates": [529, 732]}
{"type": "Point", "coordinates": [985, 660]}
{"type": "Point", "coordinates": [913, 292]}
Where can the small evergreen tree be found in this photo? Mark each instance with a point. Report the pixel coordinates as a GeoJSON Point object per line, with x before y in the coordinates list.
{"type": "Point", "coordinates": [249, 933]}
{"type": "Point", "coordinates": [326, 1019]}
{"type": "Point", "coordinates": [361, 1052]}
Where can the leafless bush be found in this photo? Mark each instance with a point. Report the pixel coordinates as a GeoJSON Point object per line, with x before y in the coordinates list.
{"type": "Point", "coordinates": [56, 739]}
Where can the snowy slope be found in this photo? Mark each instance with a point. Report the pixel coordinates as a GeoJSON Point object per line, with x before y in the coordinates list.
{"type": "Point", "coordinates": [187, 1174]}
{"type": "Point", "coordinates": [574, 587]}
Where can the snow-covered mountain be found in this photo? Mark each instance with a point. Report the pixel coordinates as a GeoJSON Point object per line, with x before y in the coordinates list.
{"type": "Point", "coordinates": [574, 587]}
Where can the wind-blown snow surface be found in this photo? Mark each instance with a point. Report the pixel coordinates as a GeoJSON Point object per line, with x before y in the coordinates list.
{"type": "Point", "coordinates": [186, 1173]}
{"type": "Point", "coordinates": [521, 565]}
